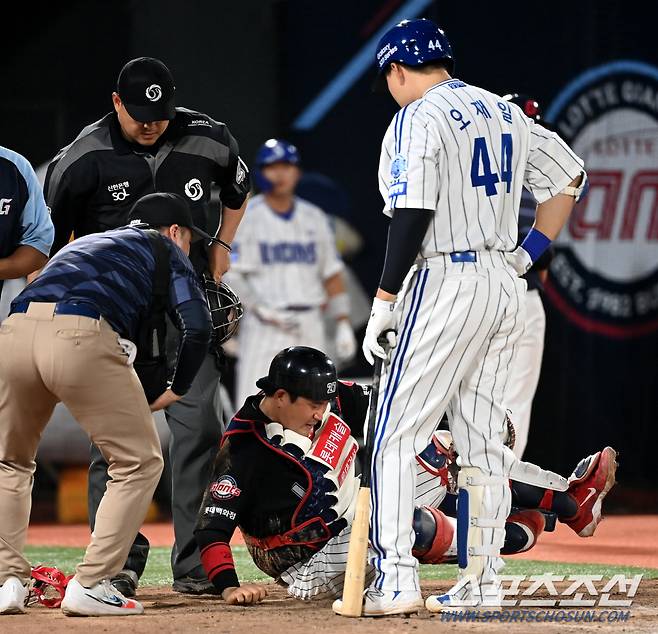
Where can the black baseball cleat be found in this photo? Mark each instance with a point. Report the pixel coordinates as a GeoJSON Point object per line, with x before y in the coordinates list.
{"type": "Point", "coordinates": [194, 585]}
{"type": "Point", "coordinates": [126, 582]}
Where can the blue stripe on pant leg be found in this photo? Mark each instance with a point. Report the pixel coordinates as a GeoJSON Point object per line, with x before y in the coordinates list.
{"type": "Point", "coordinates": [404, 344]}
{"type": "Point", "coordinates": [396, 358]}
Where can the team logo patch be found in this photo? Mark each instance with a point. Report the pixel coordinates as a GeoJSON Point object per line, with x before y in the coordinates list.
{"type": "Point", "coordinates": [225, 488]}
{"type": "Point", "coordinates": [154, 92]}
{"type": "Point", "coordinates": [193, 189]}
{"type": "Point", "coordinates": [398, 166]}
{"type": "Point", "coordinates": [397, 189]}
{"type": "Point", "coordinates": [5, 204]}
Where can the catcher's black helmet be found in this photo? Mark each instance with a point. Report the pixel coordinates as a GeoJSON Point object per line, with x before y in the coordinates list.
{"type": "Point", "coordinates": [225, 309]}
{"type": "Point", "coordinates": [302, 371]}
{"type": "Point", "coordinates": [528, 104]}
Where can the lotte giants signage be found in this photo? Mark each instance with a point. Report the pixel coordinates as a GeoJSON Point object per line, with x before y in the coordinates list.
{"type": "Point", "coordinates": [604, 277]}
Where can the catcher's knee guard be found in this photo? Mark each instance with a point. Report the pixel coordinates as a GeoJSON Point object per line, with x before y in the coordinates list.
{"type": "Point", "coordinates": [472, 520]}
{"type": "Point", "coordinates": [434, 535]}
{"type": "Point", "coordinates": [522, 530]}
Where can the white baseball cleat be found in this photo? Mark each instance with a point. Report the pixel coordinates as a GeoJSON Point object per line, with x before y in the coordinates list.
{"type": "Point", "coordinates": [99, 600]}
{"type": "Point", "coordinates": [387, 602]}
{"type": "Point", "coordinates": [13, 597]}
{"type": "Point", "coordinates": [460, 597]}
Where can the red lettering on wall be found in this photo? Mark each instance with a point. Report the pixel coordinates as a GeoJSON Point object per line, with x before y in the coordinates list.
{"type": "Point", "coordinates": [579, 226]}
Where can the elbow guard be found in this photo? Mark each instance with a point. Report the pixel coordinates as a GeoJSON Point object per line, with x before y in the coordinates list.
{"type": "Point", "coordinates": [579, 191]}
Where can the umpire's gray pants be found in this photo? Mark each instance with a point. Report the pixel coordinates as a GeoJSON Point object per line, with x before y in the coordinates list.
{"type": "Point", "coordinates": [196, 427]}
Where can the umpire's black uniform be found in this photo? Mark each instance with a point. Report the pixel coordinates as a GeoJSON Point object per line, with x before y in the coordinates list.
{"type": "Point", "coordinates": [90, 187]}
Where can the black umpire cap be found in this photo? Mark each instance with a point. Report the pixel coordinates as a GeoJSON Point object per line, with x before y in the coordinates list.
{"type": "Point", "coordinates": [147, 90]}
{"type": "Point", "coordinates": [164, 209]}
{"type": "Point", "coordinates": [302, 371]}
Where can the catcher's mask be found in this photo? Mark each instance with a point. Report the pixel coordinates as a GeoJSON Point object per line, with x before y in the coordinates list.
{"type": "Point", "coordinates": [225, 309]}
{"type": "Point", "coordinates": [48, 586]}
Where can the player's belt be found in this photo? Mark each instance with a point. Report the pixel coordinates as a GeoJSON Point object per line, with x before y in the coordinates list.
{"type": "Point", "coordinates": [61, 308]}
{"type": "Point", "coordinates": [298, 308]}
{"type": "Point", "coordinates": [464, 256]}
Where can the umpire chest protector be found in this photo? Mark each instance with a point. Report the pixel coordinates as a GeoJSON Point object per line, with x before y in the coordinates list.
{"type": "Point", "coordinates": [151, 360]}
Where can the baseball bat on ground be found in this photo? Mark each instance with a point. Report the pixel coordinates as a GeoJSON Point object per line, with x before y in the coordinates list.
{"type": "Point", "coordinates": [355, 572]}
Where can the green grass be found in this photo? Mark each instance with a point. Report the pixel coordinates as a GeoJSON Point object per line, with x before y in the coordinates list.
{"type": "Point", "coordinates": [158, 569]}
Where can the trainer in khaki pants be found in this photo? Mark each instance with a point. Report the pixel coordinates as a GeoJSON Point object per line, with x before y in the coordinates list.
{"type": "Point", "coordinates": [69, 338]}
{"type": "Point", "coordinates": [46, 358]}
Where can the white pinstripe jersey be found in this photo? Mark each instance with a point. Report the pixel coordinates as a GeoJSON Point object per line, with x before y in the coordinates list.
{"type": "Point", "coordinates": [286, 258]}
{"type": "Point", "coordinates": [466, 154]}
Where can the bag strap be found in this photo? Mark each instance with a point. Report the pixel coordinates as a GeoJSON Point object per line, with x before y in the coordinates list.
{"type": "Point", "coordinates": [152, 330]}
{"type": "Point", "coordinates": [161, 272]}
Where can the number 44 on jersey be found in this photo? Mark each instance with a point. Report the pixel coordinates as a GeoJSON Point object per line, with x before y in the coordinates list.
{"type": "Point", "coordinates": [481, 174]}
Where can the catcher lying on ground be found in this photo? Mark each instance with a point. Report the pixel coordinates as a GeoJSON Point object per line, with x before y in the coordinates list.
{"type": "Point", "coordinates": [285, 474]}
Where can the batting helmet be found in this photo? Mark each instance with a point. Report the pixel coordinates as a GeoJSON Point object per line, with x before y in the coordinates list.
{"type": "Point", "coordinates": [529, 105]}
{"type": "Point", "coordinates": [414, 43]}
{"type": "Point", "coordinates": [302, 371]}
{"type": "Point", "coordinates": [274, 151]}
{"type": "Point", "coordinates": [225, 309]}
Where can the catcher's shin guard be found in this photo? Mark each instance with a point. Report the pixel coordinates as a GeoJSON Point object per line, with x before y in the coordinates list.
{"type": "Point", "coordinates": [435, 536]}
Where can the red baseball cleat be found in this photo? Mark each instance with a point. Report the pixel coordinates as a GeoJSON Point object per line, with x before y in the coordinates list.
{"type": "Point", "coordinates": [588, 485]}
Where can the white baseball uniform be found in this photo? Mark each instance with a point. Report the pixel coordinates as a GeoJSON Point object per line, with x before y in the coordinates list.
{"type": "Point", "coordinates": [524, 380]}
{"type": "Point", "coordinates": [280, 262]}
{"type": "Point", "coordinates": [465, 154]}
{"type": "Point", "coordinates": [323, 575]}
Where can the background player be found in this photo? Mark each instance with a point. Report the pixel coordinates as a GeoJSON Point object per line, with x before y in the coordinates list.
{"type": "Point", "coordinates": [26, 231]}
{"type": "Point", "coordinates": [530, 348]}
{"type": "Point", "coordinates": [453, 163]}
{"type": "Point", "coordinates": [286, 270]}
{"type": "Point", "coordinates": [294, 507]}
{"type": "Point", "coordinates": [148, 145]}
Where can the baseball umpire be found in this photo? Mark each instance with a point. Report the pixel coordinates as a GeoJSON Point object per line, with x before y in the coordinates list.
{"type": "Point", "coordinates": [453, 163]}
{"type": "Point", "coordinates": [69, 339]}
{"type": "Point", "coordinates": [148, 145]}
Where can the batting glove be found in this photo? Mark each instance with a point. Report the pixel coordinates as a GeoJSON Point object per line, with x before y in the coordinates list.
{"type": "Point", "coordinates": [382, 317]}
{"type": "Point", "coordinates": [345, 340]}
{"type": "Point", "coordinates": [519, 260]}
{"type": "Point", "coordinates": [274, 317]}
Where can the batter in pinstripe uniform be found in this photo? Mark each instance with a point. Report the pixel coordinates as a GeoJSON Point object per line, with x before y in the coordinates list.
{"type": "Point", "coordinates": [453, 164]}
{"type": "Point", "coordinates": [286, 270]}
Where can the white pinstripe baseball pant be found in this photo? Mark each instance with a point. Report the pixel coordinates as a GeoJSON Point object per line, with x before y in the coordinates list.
{"type": "Point", "coordinates": [459, 323]}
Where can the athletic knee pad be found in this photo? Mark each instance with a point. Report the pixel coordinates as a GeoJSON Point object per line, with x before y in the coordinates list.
{"type": "Point", "coordinates": [522, 530]}
{"type": "Point", "coordinates": [434, 535]}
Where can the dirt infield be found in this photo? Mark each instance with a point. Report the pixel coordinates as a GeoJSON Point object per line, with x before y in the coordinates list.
{"type": "Point", "coordinates": [626, 540]}
{"type": "Point", "coordinates": [169, 612]}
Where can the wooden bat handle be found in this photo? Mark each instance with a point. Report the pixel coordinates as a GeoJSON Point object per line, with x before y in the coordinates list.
{"type": "Point", "coordinates": [355, 572]}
